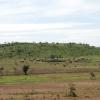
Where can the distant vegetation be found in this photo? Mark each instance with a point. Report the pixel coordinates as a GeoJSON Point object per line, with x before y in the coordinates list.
{"type": "Point", "coordinates": [47, 50]}
{"type": "Point", "coordinates": [36, 58]}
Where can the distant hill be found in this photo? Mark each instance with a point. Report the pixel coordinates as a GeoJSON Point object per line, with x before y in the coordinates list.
{"type": "Point", "coordinates": [47, 50]}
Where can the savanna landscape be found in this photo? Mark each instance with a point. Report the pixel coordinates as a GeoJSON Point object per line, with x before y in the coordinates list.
{"type": "Point", "coordinates": [49, 49]}
{"type": "Point", "coordinates": [49, 71]}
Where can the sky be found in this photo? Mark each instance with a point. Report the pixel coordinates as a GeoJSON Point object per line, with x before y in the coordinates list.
{"type": "Point", "coordinates": [50, 21]}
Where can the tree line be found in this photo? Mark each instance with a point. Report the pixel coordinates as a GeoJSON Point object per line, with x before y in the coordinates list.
{"type": "Point", "coordinates": [46, 50]}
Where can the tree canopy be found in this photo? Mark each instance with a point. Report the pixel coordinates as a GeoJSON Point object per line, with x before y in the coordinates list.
{"type": "Point", "coordinates": [46, 50]}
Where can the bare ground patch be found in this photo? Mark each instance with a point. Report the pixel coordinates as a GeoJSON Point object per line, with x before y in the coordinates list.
{"type": "Point", "coordinates": [86, 90]}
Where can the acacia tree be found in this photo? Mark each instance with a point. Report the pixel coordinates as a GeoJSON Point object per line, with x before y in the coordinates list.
{"type": "Point", "coordinates": [25, 69]}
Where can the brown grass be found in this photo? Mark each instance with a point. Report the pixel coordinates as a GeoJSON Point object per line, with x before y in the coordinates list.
{"type": "Point", "coordinates": [86, 90]}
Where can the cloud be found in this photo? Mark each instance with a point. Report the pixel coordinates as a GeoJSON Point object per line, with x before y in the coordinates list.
{"type": "Point", "coordinates": [50, 20]}
{"type": "Point", "coordinates": [29, 9]}
{"type": "Point", "coordinates": [55, 36]}
{"type": "Point", "coordinates": [49, 32]}
{"type": "Point", "coordinates": [10, 28]}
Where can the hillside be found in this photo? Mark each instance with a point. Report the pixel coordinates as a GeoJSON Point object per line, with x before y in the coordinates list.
{"type": "Point", "coordinates": [47, 50]}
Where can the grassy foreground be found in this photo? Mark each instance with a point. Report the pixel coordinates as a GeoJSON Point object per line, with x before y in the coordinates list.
{"type": "Point", "coordinates": [46, 78]}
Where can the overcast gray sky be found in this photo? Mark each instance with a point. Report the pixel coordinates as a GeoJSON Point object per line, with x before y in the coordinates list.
{"type": "Point", "coordinates": [50, 20]}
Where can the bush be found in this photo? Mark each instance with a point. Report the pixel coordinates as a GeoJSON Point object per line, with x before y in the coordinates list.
{"type": "Point", "coordinates": [72, 91]}
{"type": "Point", "coordinates": [92, 76]}
{"type": "Point", "coordinates": [25, 69]}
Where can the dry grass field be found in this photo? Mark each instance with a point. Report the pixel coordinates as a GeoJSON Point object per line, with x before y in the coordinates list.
{"type": "Point", "coordinates": [49, 81]}
{"type": "Point", "coordinates": [85, 90]}
{"type": "Point", "coordinates": [49, 87]}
